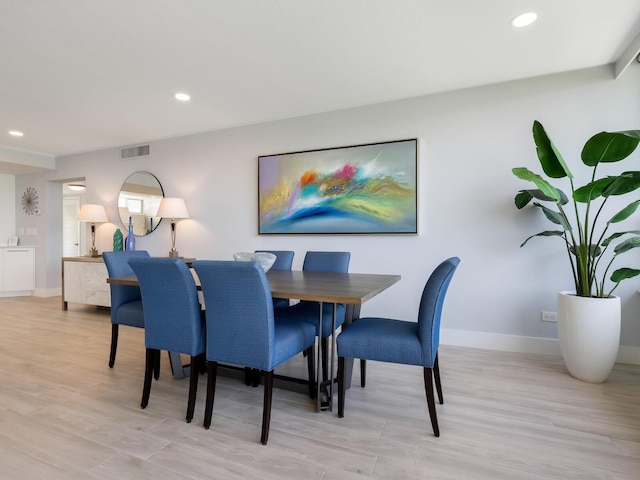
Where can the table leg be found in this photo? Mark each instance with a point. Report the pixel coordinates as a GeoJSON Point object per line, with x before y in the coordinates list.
{"type": "Point", "coordinates": [323, 392]}
{"type": "Point", "coordinates": [177, 369]}
{"type": "Point", "coordinates": [333, 349]}
{"type": "Point", "coordinates": [352, 314]}
{"type": "Point", "coordinates": [319, 361]}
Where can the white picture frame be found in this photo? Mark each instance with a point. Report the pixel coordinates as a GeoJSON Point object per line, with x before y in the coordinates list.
{"type": "Point", "coordinates": [13, 241]}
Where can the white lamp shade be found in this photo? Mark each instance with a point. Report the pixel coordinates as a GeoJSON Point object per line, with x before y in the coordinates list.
{"type": "Point", "coordinates": [92, 213]}
{"type": "Point", "coordinates": [173, 208]}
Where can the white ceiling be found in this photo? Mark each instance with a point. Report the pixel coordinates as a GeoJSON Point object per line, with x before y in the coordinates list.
{"type": "Point", "coordinates": [82, 75]}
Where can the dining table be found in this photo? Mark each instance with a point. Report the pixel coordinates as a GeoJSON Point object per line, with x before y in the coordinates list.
{"type": "Point", "coordinates": [351, 289]}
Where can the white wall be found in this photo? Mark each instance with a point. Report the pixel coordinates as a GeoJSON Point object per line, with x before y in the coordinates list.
{"type": "Point", "coordinates": [469, 141]}
{"type": "Point", "coordinates": [7, 207]}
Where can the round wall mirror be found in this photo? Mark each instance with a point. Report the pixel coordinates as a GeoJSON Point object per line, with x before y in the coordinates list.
{"type": "Point", "coordinates": [138, 203]}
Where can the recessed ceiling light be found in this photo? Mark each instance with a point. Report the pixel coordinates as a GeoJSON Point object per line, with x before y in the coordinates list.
{"type": "Point", "coordinates": [524, 19]}
{"type": "Point", "coordinates": [16, 133]}
{"type": "Point", "coordinates": [183, 97]}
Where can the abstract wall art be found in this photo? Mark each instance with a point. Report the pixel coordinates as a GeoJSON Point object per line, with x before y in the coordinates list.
{"type": "Point", "coordinates": [360, 189]}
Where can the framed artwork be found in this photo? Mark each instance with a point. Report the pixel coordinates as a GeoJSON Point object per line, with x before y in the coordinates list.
{"type": "Point", "coordinates": [360, 189]}
{"type": "Point", "coordinates": [30, 201]}
{"type": "Point", "coordinates": [13, 241]}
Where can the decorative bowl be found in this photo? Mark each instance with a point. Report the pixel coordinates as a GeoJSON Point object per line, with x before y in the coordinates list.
{"type": "Point", "coordinates": [265, 259]}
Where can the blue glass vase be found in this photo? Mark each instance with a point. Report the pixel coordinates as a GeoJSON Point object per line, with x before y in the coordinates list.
{"type": "Point", "coordinates": [131, 238]}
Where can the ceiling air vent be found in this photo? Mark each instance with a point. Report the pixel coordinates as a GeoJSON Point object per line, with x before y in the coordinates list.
{"type": "Point", "coordinates": [131, 152]}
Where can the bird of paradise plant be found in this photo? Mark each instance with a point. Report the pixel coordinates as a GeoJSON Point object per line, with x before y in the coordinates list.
{"type": "Point", "coordinates": [585, 233]}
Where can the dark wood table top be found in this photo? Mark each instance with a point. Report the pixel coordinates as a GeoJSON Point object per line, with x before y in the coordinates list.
{"type": "Point", "coordinates": [353, 288]}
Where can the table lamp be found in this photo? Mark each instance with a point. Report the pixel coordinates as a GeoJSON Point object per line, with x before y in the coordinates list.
{"type": "Point", "coordinates": [173, 208]}
{"type": "Point", "coordinates": [93, 214]}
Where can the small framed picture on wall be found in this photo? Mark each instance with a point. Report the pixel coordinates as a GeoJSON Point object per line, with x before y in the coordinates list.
{"type": "Point", "coordinates": [13, 241]}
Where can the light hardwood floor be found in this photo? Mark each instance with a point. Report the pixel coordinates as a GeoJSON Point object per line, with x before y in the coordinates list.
{"type": "Point", "coordinates": [65, 415]}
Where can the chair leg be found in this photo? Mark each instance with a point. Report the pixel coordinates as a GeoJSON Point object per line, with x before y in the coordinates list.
{"type": "Point", "coordinates": [256, 377]}
{"type": "Point", "coordinates": [341, 386]}
{"type": "Point", "coordinates": [114, 344]}
{"type": "Point", "coordinates": [266, 409]}
{"type": "Point", "coordinates": [148, 373]}
{"type": "Point", "coordinates": [193, 385]}
{"type": "Point", "coordinates": [363, 372]}
{"type": "Point", "coordinates": [212, 372]}
{"type": "Point", "coordinates": [431, 402]}
{"type": "Point", "coordinates": [251, 376]}
{"type": "Point", "coordinates": [436, 376]}
{"type": "Point", "coordinates": [311, 368]}
{"type": "Point", "coordinates": [156, 368]}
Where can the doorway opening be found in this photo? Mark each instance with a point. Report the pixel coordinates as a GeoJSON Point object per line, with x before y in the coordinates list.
{"type": "Point", "coordinates": [73, 236]}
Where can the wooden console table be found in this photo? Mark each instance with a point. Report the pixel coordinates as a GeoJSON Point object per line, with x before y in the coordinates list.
{"type": "Point", "coordinates": [84, 280]}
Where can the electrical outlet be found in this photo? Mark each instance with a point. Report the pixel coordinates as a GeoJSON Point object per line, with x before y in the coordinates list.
{"type": "Point", "coordinates": [549, 317]}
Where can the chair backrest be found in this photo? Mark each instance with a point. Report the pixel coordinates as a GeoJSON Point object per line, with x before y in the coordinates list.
{"type": "Point", "coordinates": [118, 266]}
{"type": "Point", "coordinates": [239, 312]}
{"type": "Point", "coordinates": [327, 262]}
{"type": "Point", "coordinates": [284, 259]}
{"type": "Point", "coordinates": [431, 307]}
{"type": "Point", "coordinates": [172, 314]}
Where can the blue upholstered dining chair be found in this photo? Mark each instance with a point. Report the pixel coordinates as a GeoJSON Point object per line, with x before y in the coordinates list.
{"type": "Point", "coordinates": [173, 318]}
{"type": "Point", "coordinates": [242, 330]}
{"type": "Point", "coordinates": [126, 305]}
{"type": "Point", "coordinates": [284, 260]}
{"type": "Point", "coordinates": [308, 312]}
{"type": "Point", "coordinates": [400, 341]}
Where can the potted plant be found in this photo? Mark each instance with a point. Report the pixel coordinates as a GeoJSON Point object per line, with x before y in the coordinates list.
{"type": "Point", "coordinates": [589, 316]}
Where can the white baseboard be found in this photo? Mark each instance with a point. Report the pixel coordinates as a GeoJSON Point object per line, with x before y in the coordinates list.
{"type": "Point", "coordinates": [513, 343]}
{"type": "Point", "coordinates": [47, 292]}
{"type": "Point", "coordinates": [629, 355]}
{"type": "Point", "coordinates": [24, 293]}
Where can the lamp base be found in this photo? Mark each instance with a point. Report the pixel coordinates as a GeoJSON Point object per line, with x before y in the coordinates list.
{"type": "Point", "coordinates": [174, 254]}
{"type": "Point", "coordinates": [93, 252]}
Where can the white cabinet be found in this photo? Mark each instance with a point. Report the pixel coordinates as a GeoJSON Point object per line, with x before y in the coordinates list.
{"type": "Point", "coordinates": [84, 280]}
{"type": "Point", "coordinates": [17, 267]}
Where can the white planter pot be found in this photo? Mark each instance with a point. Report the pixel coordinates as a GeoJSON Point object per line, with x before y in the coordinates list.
{"type": "Point", "coordinates": [589, 335]}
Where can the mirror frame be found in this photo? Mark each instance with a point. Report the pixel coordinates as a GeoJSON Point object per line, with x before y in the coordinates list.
{"type": "Point", "coordinates": [143, 191]}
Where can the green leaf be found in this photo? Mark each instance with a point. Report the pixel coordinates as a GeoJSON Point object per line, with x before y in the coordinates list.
{"type": "Point", "coordinates": [554, 216]}
{"type": "Point", "coordinates": [594, 250]}
{"type": "Point", "coordinates": [623, 274]}
{"type": "Point", "coordinates": [609, 239]}
{"type": "Point", "coordinates": [550, 158]}
{"type": "Point", "coordinates": [523, 197]}
{"type": "Point", "coordinates": [624, 183]}
{"type": "Point", "coordinates": [625, 213]}
{"type": "Point", "coordinates": [592, 190]}
{"type": "Point", "coordinates": [605, 147]}
{"type": "Point", "coordinates": [628, 244]}
{"type": "Point", "coordinates": [545, 187]}
{"type": "Point", "coordinates": [547, 233]}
